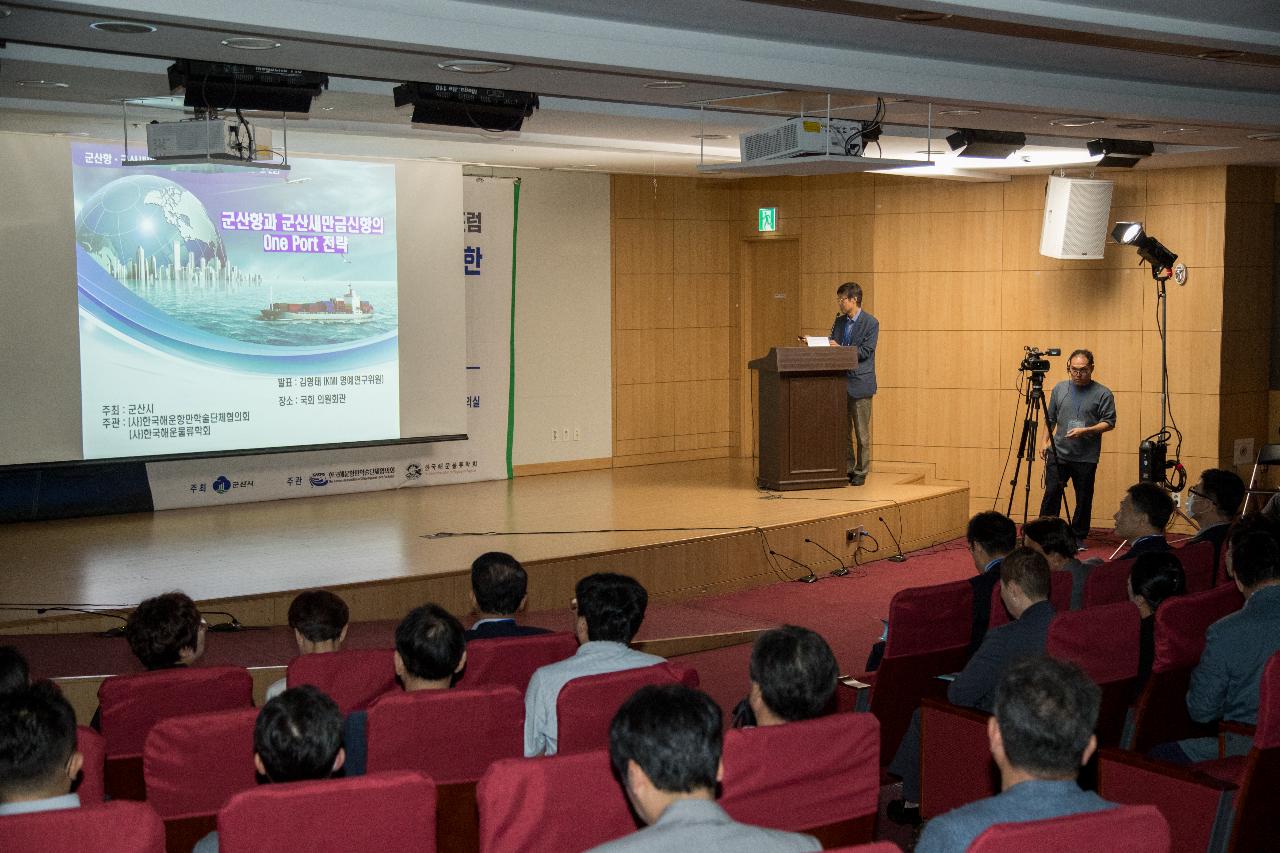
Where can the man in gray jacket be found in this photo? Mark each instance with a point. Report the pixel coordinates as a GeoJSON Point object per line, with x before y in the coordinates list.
{"type": "Point", "coordinates": [665, 744]}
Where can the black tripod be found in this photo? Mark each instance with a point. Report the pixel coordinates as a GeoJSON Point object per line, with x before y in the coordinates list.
{"type": "Point", "coordinates": [1032, 408]}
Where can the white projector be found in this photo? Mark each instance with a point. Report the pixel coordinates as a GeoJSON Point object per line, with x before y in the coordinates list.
{"type": "Point", "coordinates": [216, 138]}
{"type": "Point", "coordinates": [803, 137]}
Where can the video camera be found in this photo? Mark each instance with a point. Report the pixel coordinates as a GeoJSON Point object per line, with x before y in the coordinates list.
{"type": "Point", "coordinates": [1035, 360]}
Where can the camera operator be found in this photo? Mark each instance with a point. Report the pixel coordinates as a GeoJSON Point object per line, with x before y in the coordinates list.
{"type": "Point", "coordinates": [1079, 412]}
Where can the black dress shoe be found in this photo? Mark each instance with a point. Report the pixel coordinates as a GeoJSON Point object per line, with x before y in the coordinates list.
{"type": "Point", "coordinates": [855, 480]}
{"type": "Point", "coordinates": [898, 812]}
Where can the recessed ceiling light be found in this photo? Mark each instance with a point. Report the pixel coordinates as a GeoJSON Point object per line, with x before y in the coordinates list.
{"type": "Point", "coordinates": [326, 109]}
{"type": "Point", "coordinates": [1174, 130]}
{"type": "Point", "coordinates": [1133, 125]}
{"type": "Point", "coordinates": [960, 112]}
{"type": "Point", "coordinates": [664, 84]}
{"type": "Point", "coordinates": [921, 17]}
{"type": "Point", "coordinates": [473, 66]}
{"type": "Point", "coordinates": [250, 43]}
{"type": "Point", "coordinates": [1265, 137]}
{"type": "Point", "coordinates": [44, 84]}
{"type": "Point", "coordinates": [710, 136]}
{"type": "Point", "coordinates": [124, 28]}
{"type": "Point", "coordinates": [1076, 121]}
{"type": "Point", "coordinates": [1220, 55]}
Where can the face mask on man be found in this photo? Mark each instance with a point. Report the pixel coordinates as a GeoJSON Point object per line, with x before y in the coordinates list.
{"type": "Point", "coordinates": [1192, 504]}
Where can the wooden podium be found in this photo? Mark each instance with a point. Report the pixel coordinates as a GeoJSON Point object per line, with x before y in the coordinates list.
{"type": "Point", "coordinates": [803, 400]}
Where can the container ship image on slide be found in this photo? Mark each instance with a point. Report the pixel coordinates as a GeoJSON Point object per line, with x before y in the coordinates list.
{"type": "Point", "coordinates": [347, 309]}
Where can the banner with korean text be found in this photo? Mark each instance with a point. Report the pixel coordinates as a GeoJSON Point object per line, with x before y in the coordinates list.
{"type": "Point", "coordinates": [488, 221]}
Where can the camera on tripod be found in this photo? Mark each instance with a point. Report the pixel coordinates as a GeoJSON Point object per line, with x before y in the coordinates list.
{"type": "Point", "coordinates": [1036, 361]}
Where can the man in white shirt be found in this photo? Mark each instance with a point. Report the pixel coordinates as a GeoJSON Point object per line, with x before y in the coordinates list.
{"type": "Point", "coordinates": [609, 608]}
{"type": "Point", "coordinates": [38, 757]}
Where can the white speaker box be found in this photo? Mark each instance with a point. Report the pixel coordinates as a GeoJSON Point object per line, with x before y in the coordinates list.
{"type": "Point", "coordinates": [1076, 214]}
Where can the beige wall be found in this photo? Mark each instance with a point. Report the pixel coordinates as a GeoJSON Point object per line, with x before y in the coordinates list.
{"type": "Point", "coordinates": [953, 272]}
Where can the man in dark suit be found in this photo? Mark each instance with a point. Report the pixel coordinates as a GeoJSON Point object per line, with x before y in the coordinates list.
{"type": "Point", "coordinates": [854, 327]}
{"type": "Point", "coordinates": [499, 590]}
{"type": "Point", "coordinates": [990, 536]}
{"type": "Point", "coordinates": [1212, 504]}
{"type": "Point", "coordinates": [1024, 588]}
{"type": "Point", "coordinates": [1142, 517]}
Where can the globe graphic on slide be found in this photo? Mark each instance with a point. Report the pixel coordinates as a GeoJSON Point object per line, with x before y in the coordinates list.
{"type": "Point", "coordinates": [151, 214]}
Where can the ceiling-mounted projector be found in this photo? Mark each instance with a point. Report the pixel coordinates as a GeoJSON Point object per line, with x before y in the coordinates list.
{"type": "Point", "coordinates": [808, 137]}
{"type": "Point", "coordinates": [226, 86]}
{"type": "Point", "coordinates": [987, 144]}
{"type": "Point", "coordinates": [466, 106]}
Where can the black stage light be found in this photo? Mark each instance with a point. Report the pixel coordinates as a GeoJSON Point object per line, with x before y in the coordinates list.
{"type": "Point", "coordinates": [1124, 153]}
{"type": "Point", "coordinates": [1149, 248]}
{"type": "Point", "coordinates": [987, 144]}
{"type": "Point", "coordinates": [1126, 232]}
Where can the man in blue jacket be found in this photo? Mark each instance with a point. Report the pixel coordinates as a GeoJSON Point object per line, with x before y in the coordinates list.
{"type": "Point", "coordinates": [854, 327]}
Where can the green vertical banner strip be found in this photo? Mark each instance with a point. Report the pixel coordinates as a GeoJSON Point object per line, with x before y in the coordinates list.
{"type": "Point", "coordinates": [511, 352]}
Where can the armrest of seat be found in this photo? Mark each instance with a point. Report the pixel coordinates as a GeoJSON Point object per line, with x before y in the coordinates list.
{"type": "Point", "coordinates": [955, 757]}
{"type": "Point", "coordinates": [1197, 806]}
{"type": "Point", "coordinates": [1232, 727]}
{"type": "Point", "coordinates": [856, 695]}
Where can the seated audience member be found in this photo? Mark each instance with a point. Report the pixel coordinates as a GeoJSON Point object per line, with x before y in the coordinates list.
{"type": "Point", "coordinates": [499, 590]}
{"type": "Point", "coordinates": [1024, 588]}
{"type": "Point", "coordinates": [164, 632]}
{"type": "Point", "coordinates": [991, 536]}
{"type": "Point", "coordinates": [38, 757]}
{"type": "Point", "coordinates": [430, 651]}
{"type": "Point", "coordinates": [297, 738]}
{"type": "Point", "coordinates": [793, 677]}
{"type": "Point", "coordinates": [1053, 538]}
{"type": "Point", "coordinates": [14, 673]}
{"type": "Point", "coordinates": [1155, 576]}
{"type": "Point", "coordinates": [1212, 504]}
{"type": "Point", "coordinates": [319, 622]}
{"type": "Point", "coordinates": [1225, 684]}
{"type": "Point", "coordinates": [610, 608]}
{"type": "Point", "coordinates": [1041, 735]}
{"type": "Point", "coordinates": [1141, 519]}
{"type": "Point", "coordinates": [665, 744]}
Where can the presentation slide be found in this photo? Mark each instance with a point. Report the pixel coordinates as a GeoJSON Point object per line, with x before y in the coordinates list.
{"type": "Point", "coordinates": [166, 310]}
{"type": "Point", "coordinates": [223, 307]}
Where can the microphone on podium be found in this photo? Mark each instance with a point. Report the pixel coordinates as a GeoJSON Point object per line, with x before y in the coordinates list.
{"type": "Point", "coordinates": [809, 578]}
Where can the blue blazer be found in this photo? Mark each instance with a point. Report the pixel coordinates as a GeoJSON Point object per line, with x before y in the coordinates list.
{"type": "Point", "coordinates": [862, 333]}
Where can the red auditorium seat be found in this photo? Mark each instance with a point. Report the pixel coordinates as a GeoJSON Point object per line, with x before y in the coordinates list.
{"type": "Point", "coordinates": [1059, 596]}
{"type": "Point", "coordinates": [1142, 829]}
{"type": "Point", "coordinates": [116, 827]}
{"type": "Point", "coordinates": [352, 677]}
{"type": "Point", "coordinates": [452, 736]}
{"type": "Point", "coordinates": [1198, 565]}
{"type": "Point", "coordinates": [1103, 641]}
{"type": "Point", "coordinates": [193, 764]}
{"type": "Point", "coordinates": [513, 660]}
{"type": "Point", "coordinates": [956, 765]}
{"type": "Point", "coordinates": [929, 630]}
{"type": "Point", "coordinates": [93, 747]}
{"type": "Point", "coordinates": [557, 804]}
{"type": "Point", "coordinates": [1108, 583]}
{"type": "Point", "coordinates": [131, 704]}
{"type": "Point", "coordinates": [379, 813]}
{"type": "Point", "coordinates": [586, 706]}
{"type": "Point", "coordinates": [1197, 801]}
{"type": "Point", "coordinates": [1160, 714]}
{"type": "Point", "coordinates": [817, 776]}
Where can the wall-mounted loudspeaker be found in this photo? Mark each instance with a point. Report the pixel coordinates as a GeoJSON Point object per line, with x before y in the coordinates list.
{"type": "Point", "coordinates": [1077, 212]}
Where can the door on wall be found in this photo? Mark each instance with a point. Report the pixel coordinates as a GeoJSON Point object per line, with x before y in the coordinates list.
{"type": "Point", "coordinates": [774, 270]}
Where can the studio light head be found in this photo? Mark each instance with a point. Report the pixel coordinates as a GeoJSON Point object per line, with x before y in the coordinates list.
{"type": "Point", "coordinates": [1149, 248]}
{"type": "Point", "coordinates": [1123, 153]}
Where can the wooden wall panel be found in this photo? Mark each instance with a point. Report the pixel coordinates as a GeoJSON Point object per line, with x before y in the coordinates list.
{"type": "Point", "coordinates": [953, 272]}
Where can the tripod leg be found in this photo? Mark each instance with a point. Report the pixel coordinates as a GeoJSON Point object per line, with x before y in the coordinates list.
{"type": "Point", "coordinates": [1017, 469]}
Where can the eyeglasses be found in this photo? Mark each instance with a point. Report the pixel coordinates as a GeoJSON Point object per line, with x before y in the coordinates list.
{"type": "Point", "coordinates": [1198, 494]}
{"type": "Point", "coordinates": [1080, 371]}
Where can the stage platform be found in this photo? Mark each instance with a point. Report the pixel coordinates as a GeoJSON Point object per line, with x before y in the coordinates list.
{"type": "Point", "coordinates": [684, 529]}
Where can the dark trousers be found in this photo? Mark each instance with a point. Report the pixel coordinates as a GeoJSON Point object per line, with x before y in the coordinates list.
{"type": "Point", "coordinates": [1081, 476]}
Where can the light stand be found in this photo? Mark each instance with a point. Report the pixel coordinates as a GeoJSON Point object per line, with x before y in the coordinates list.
{"type": "Point", "coordinates": [1153, 451]}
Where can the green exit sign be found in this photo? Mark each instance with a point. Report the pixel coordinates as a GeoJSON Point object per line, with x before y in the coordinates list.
{"type": "Point", "coordinates": [768, 219]}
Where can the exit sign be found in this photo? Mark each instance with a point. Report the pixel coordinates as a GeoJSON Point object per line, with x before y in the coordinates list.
{"type": "Point", "coordinates": [768, 219]}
